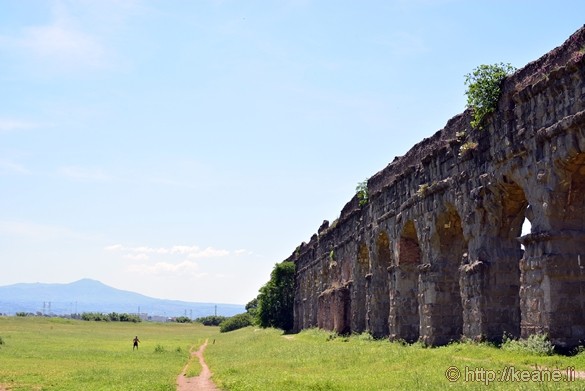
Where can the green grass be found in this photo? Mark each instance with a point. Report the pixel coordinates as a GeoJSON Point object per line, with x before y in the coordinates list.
{"type": "Point", "coordinates": [58, 354]}
{"type": "Point", "coordinates": [252, 359]}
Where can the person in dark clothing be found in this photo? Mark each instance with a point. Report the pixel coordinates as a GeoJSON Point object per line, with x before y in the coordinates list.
{"type": "Point", "coordinates": [136, 340]}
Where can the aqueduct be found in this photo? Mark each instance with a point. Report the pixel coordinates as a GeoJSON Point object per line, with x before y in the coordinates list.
{"type": "Point", "coordinates": [437, 252]}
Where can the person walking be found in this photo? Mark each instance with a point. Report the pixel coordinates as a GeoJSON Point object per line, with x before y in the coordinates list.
{"type": "Point", "coordinates": [136, 340]}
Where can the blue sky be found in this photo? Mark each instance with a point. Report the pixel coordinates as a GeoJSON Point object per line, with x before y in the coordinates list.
{"type": "Point", "coordinates": [180, 149]}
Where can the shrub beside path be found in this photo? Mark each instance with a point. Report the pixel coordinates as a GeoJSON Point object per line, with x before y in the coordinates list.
{"type": "Point", "coordinates": [200, 383]}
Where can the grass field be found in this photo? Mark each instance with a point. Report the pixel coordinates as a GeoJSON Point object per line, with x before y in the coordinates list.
{"type": "Point", "coordinates": [59, 354]}
{"type": "Point", "coordinates": [251, 359]}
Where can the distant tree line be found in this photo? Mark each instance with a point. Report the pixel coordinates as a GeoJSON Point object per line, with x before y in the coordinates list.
{"type": "Point", "coordinates": [236, 322]}
{"type": "Point", "coordinates": [111, 317]}
{"type": "Point", "coordinates": [182, 319]}
{"type": "Point", "coordinates": [212, 320]}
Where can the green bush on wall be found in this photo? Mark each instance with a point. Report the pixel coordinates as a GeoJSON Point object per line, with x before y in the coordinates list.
{"type": "Point", "coordinates": [362, 192]}
{"type": "Point", "coordinates": [484, 89]}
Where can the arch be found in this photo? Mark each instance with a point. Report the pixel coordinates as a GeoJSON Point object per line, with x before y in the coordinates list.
{"type": "Point", "coordinates": [505, 278]}
{"type": "Point", "coordinates": [440, 289]}
{"type": "Point", "coordinates": [404, 320]}
{"type": "Point", "coordinates": [514, 205]}
{"type": "Point", "coordinates": [409, 249]}
{"type": "Point", "coordinates": [491, 282]}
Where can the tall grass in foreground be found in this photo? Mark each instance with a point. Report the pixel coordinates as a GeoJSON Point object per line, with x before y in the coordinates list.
{"type": "Point", "coordinates": [59, 354]}
{"type": "Point", "coordinates": [252, 359]}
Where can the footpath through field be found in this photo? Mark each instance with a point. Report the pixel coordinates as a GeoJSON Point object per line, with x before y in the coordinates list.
{"type": "Point", "coordinates": [200, 383]}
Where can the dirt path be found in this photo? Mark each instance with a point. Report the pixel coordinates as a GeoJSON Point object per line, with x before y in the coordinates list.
{"type": "Point", "coordinates": [200, 383]}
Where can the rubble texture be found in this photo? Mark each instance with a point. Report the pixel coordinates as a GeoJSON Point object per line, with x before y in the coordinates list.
{"type": "Point", "coordinates": [435, 255]}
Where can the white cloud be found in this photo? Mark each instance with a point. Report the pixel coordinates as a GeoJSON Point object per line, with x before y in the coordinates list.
{"type": "Point", "coordinates": [63, 44]}
{"type": "Point", "coordinates": [171, 182]}
{"type": "Point", "coordinates": [185, 267]}
{"type": "Point", "coordinates": [114, 247]}
{"type": "Point", "coordinates": [137, 257]}
{"type": "Point", "coordinates": [84, 174]}
{"type": "Point", "coordinates": [209, 252]}
{"type": "Point", "coordinates": [8, 167]}
{"type": "Point", "coordinates": [191, 252]}
{"type": "Point", "coordinates": [242, 252]}
{"type": "Point", "coordinates": [173, 260]}
{"type": "Point", "coordinates": [36, 231]}
{"type": "Point", "coordinates": [424, 3]}
{"type": "Point", "coordinates": [8, 125]}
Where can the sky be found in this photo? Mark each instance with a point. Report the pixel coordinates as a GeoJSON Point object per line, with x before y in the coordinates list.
{"type": "Point", "coordinates": [179, 149]}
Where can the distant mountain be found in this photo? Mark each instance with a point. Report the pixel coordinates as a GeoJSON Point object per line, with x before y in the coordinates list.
{"type": "Point", "coordinates": [93, 296]}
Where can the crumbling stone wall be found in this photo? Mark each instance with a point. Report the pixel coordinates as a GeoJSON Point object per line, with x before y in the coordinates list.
{"type": "Point", "coordinates": [436, 253]}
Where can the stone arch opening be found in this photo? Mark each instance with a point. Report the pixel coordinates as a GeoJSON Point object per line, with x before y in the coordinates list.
{"type": "Point", "coordinates": [404, 322]}
{"type": "Point", "coordinates": [526, 230]}
{"type": "Point", "coordinates": [504, 279]}
{"type": "Point", "coordinates": [378, 289]}
{"type": "Point", "coordinates": [440, 289]}
{"type": "Point", "coordinates": [515, 206]}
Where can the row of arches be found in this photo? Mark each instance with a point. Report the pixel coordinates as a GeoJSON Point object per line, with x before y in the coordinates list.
{"type": "Point", "coordinates": [424, 290]}
{"type": "Point", "coordinates": [439, 286]}
{"type": "Point", "coordinates": [497, 262]}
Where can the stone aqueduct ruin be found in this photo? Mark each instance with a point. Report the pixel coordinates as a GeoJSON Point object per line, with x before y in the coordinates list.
{"type": "Point", "coordinates": [436, 255]}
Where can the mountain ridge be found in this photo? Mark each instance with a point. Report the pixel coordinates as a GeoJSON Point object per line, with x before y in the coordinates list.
{"type": "Point", "coordinates": [88, 295]}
